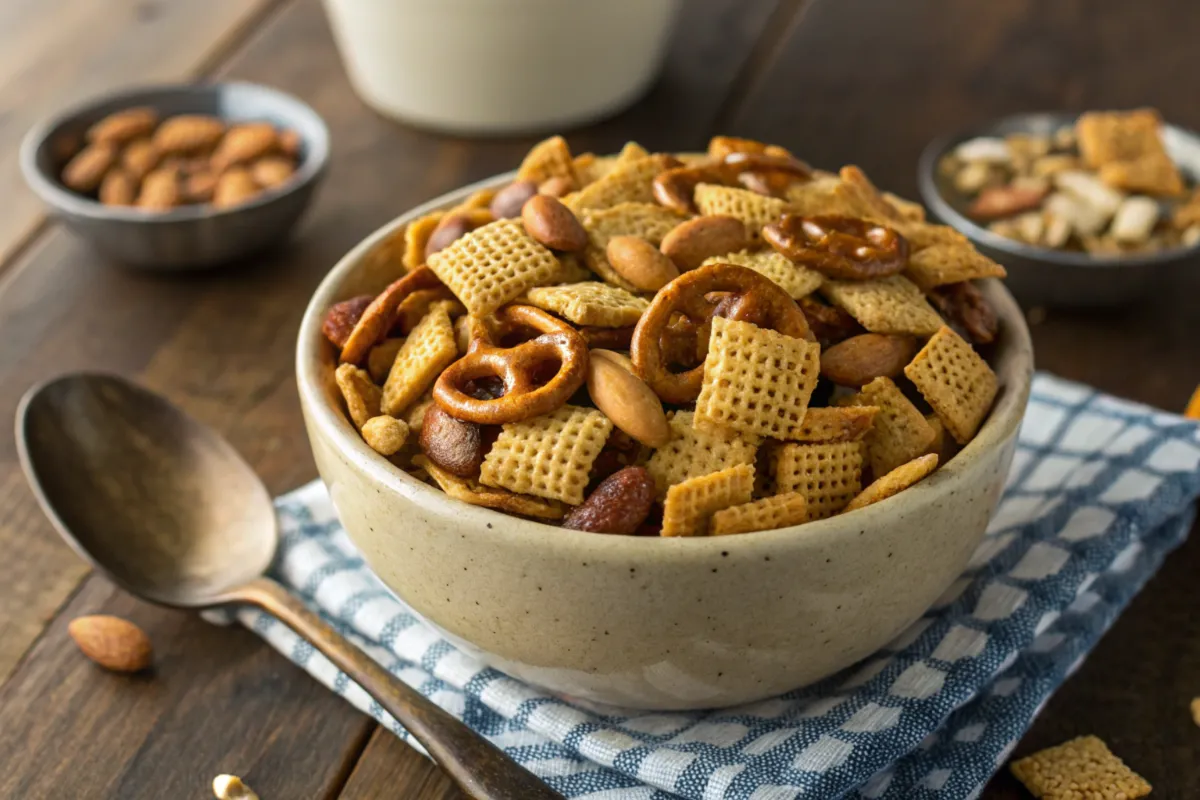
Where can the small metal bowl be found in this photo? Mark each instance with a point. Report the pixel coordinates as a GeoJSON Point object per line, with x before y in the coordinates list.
{"type": "Point", "coordinates": [188, 237]}
{"type": "Point", "coordinates": [1041, 275]}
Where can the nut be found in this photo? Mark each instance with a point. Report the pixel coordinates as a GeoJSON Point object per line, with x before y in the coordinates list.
{"type": "Point", "coordinates": [996, 202]}
{"type": "Point", "coordinates": [290, 143]}
{"type": "Point", "coordinates": [112, 642]}
{"type": "Point", "coordinates": [550, 222]}
{"type": "Point", "coordinates": [861, 359]}
{"type": "Point", "coordinates": [199, 187]}
{"type": "Point", "coordinates": [829, 324]}
{"type": "Point", "coordinates": [160, 190]}
{"type": "Point", "coordinates": [640, 263]}
{"type": "Point", "coordinates": [230, 787]}
{"type": "Point", "coordinates": [272, 171]}
{"type": "Point", "coordinates": [139, 157]}
{"type": "Point", "coordinates": [446, 233]}
{"type": "Point", "coordinates": [233, 188]}
{"type": "Point", "coordinates": [385, 435]}
{"type": "Point", "coordinates": [626, 399]}
{"type": "Point", "coordinates": [558, 186]}
{"type": "Point", "coordinates": [1134, 220]}
{"type": "Point", "coordinates": [508, 201]}
{"type": "Point", "coordinates": [118, 188]}
{"type": "Point", "coordinates": [620, 504]}
{"type": "Point", "coordinates": [188, 133]}
{"type": "Point", "coordinates": [84, 172]}
{"type": "Point", "coordinates": [454, 445]}
{"type": "Point", "coordinates": [964, 306]}
{"type": "Point", "coordinates": [341, 318]}
{"type": "Point", "coordinates": [123, 126]}
{"type": "Point", "coordinates": [690, 243]}
{"type": "Point", "coordinates": [243, 143]}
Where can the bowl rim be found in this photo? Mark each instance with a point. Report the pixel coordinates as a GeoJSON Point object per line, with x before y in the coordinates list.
{"type": "Point", "coordinates": [933, 198]}
{"type": "Point", "coordinates": [1014, 363]}
{"type": "Point", "coordinates": [50, 190]}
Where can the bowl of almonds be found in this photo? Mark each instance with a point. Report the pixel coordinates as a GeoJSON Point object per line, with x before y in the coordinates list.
{"type": "Point", "coordinates": [1083, 209]}
{"type": "Point", "coordinates": [180, 177]}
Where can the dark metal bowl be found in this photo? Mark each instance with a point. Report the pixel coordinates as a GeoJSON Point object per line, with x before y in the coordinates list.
{"type": "Point", "coordinates": [189, 237]}
{"type": "Point", "coordinates": [1041, 275]}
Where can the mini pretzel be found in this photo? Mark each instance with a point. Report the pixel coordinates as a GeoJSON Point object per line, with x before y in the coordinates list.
{"type": "Point", "coordinates": [844, 248]}
{"type": "Point", "coordinates": [765, 174]}
{"type": "Point", "coordinates": [520, 367]}
{"type": "Point", "coordinates": [753, 298]}
{"type": "Point", "coordinates": [380, 315]}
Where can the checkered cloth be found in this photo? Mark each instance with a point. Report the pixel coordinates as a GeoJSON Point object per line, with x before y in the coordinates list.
{"type": "Point", "coordinates": [1100, 491]}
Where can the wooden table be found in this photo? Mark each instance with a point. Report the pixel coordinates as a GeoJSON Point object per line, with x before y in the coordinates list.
{"type": "Point", "coordinates": [837, 81]}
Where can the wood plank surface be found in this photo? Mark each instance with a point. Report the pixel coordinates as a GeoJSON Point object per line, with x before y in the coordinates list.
{"type": "Point", "coordinates": [53, 55]}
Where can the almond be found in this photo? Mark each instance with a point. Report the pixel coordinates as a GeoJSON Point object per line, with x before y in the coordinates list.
{"type": "Point", "coordinates": [199, 187]}
{"type": "Point", "coordinates": [626, 399]}
{"type": "Point", "coordinates": [509, 201]}
{"type": "Point", "coordinates": [84, 172]}
{"type": "Point", "coordinates": [234, 188]}
{"type": "Point", "coordinates": [449, 230]}
{"type": "Point", "coordinates": [691, 242]}
{"type": "Point", "coordinates": [452, 444]}
{"type": "Point", "coordinates": [998, 202]}
{"type": "Point", "coordinates": [341, 318]}
{"type": "Point", "coordinates": [139, 157]}
{"type": "Point", "coordinates": [861, 359]}
{"type": "Point", "coordinates": [244, 142]}
{"type": "Point", "coordinates": [640, 263]}
{"type": "Point", "coordinates": [290, 143]}
{"type": "Point", "coordinates": [188, 133]}
{"type": "Point", "coordinates": [272, 171]}
{"type": "Point", "coordinates": [160, 190]}
{"type": "Point", "coordinates": [551, 223]}
{"type": "Point", "coordinates": [112, 642]}
{"type": "Point", "coordinates": [619, 505]}
{"type": "Point", "coordinates": [123, 126]}
{"type": "Point", "coordinates": [118, 188]}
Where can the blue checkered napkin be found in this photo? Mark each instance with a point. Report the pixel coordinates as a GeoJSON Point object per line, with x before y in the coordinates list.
{"type": "Point", "coordinates": [1100, 491]}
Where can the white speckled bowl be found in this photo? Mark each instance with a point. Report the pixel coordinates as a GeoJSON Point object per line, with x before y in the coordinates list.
{"type": "Point", "coordinates": [648, 622]}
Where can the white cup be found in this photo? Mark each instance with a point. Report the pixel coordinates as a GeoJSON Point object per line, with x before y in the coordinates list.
{"type": "Point", "coordinates": [501, 66]}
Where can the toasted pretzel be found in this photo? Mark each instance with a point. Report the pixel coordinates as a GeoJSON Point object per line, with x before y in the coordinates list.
{"type": "Point", "coordinates": [844, 248]}
{"type": "Point", "coordinates": [380, 315]}
{"type": "Point", "coordinates": [525, 396]}
{"type": "Point", "coordinates": [765, 174]}
{"type": "Point", "coordinates": [753, 298]}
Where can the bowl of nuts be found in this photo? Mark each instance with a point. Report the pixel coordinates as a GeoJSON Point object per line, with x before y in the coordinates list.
{"type": "Point", "coordinates": [1091, 209]}
{"type": "Point", "coordinates": [180, 177]}
{"type": "Point", "coordinates": [665, 430]}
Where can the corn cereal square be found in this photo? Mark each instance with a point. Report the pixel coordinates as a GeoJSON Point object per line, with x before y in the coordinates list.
{"type": "Point", "coordinates": [548, 456]}
{"type": "Point", "coordinates": [473, 492]}
{"type": "Point", "coordinates": [361, 394]}
{"type": "Point", "coordinates": [767, 514]}
{"type": "Point", "coordinates": [494, 264]}
{"type": "Point", "coordinates": [692, 452]}
{"type": "Point", "coordinates": [956, 382]}
{"type": "Point", "coordinates": [753, 209]}
{"type": "Point", "coordinates": [627, 182]}
{"type": "Point", "coordinates": [886, 305]}
{"type": "Point", "coordinates": [1153, 174]}
{"type": "Point", "coordinates": [1081, 769]}
{"type": "Point", "coordinates": [549, 158]}
{"type": "Point", "coordinates": [590, 303]}
{"type": "Point", "coordinates": [757, 382]}
{"type": "Point", "coordinates": [895, 481]}
{"type": "Point", "coordinates": [828, 474]}
{"type": "Point", "coordinates": [646, 220]}
{"type": "Point", "coordinates": [950, 263]}
{"type": "Point", "coordinates": [798, 281]}
{"type": "Point", "coordinates": [1107, 136]}
{"type": "Point", "coordinates": [837, 423]}
{"type": "Point", "coordinates": [899, 433]}
{"type": "Point", "coordinates": [689, 505]}
{"type": "Point", "coordinates": [428, 350]}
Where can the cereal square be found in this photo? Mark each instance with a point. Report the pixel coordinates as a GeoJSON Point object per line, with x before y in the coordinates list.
{"type": "Point", "coordinates": [798, 281]}
{"type": "Point", "coordinates": [1153, 174]}
{"type": "Point", "coordinates": [767, 514]}
{"type": "Point", "coordinates": [646, 220]}
{"type": "Point", "coordinates": [856, 184]}
{"type": "Point", "coordinates": [823, 195]}
{"type": "Point", "coordinates": [950, 263]}
{"type": "Point", "coordinates": [590, 303]}
{"type": "Point", "coordinates": [494, 264]}
{"type": "Point", "coordinates": [548, 456]}
{"type": "Point", "coordinates": [828, 475]}
{"type": "Point", "coordinates": [472, 491]}
{"type": "Point", "coordinates": [627, 182]}
{"type": "Point", "coordinates": [757, 382]}
{"type": "Point", "coordinates": [956, 382]}
{"type": "Point", "coordinates": [692, 452]}
{"type": "Point", "coordinates": [887, 305]}
{"type": "Point", "coordinates": [899, 433]}
{"type": "Point", "coordinates": [689, 506]}
{"type": "Point", "coordinates": [361, 394]}
{"type": "Point", "coordinates": [428, 350]}
{"type": "Point", "coordinates": [1081, 769]}
{"type": "Point", "coordinates": [837, 423]}
{"type": "Point", "coordinates": [753, 209]}
{"type": "Point", "coordinates": [549, 158]}
{"type": "Point", "coordinates": [895, 481]}
{"type": "Point", "coordinates": [1107, 136]}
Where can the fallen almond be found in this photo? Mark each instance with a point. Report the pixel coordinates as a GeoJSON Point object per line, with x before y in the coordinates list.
{"type": "Point", "coordinates": [113, 643]}
{"type": "Point", "coordinates": [690, 243]}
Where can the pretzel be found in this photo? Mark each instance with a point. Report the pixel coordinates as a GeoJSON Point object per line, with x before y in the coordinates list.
{"type": "Point", "coordinates": [845, 248]}
{"type": "Point", "coordinates": [520, 367]}
{"type": "Point", "coordinates": [753, 298]}
{"type": "Point", "coordinates": [380, 315]}
{"type": "Point", "coordinates": [765, 174]}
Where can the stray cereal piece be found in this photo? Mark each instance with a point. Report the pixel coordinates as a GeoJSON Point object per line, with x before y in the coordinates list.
{"type": "Point", "coordinates": [692, 452]}
{"type": "Point", "coordinates": [648, 221]}
{"type": "Point", "coordinates": [956, 382]}
{"type": "Point", "coordinates": [767, 514]}
{"type": "Point", "coordinates": [1152, 174]}
{"type": "Point", "coordinates": [230, 787]}
{"type": "Point", "coordinates": [1108, 136]}
{"type": "Point", "coordinates": [386, 435]}
{"type": "Point", "coordinates": [381, 357]}
{"type": "Point", "coordinates": [416, 236]}
{"type": "Point", "coordinates": [950, 263]}
{"type": "Point", "coordinates": [837, 423]}
{"type": "Point", "coordinates": [899, 433]}
{"type": "Point", "coordinates": [590, 303]}
{"type": "Point", "coordinates": [631, 181]}
{"type": "Point", "coordinates": [472, 491]}
{"type": "Point", "coordinates": [689, 505]}
{"type": "Point", "coordinates": [428, 350]}
{"type": "Point", "coordinates": [361, 394]}
{"type": "Point", "coordinates": [1081, 769]}
{"type": "Point", "coordinates": [549, 158]}
{"type": "Point", "coordinates": [757, 382]}
{"type": "Point", "coordinates": [886, 305]}
{"type": "Point", "coordinates": [494, 264]}
{"type": "Point", "coordinates": [895, 481]}
{"type": "Point", "coordinates": [548, 456]}
{"type": "Point", "coordinates": [798, 281]}
{"type": "Point", "coordinates": [828, 475]}
{"type": "Point", "coordinates": [753, 209]}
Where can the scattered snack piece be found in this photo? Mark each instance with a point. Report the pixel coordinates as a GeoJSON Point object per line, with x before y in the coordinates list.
{"type": "Point", "coordinates": [894, 482]}
{"type": "Point", "coordinates": [590, 303]}
{"type": "Point", "coordinates": [828, 474]}
{"type": "Point", "coordinates": [230, 787]}
{"type": "Point", "coordinates": [1081, 769]}
{"type": "Point", "coordinates": [549, 456]}
{"type": "Point", "coordinates": [689, 505]}
{"type": "Point", "coordinates": [692, 452]}
{"type": "Point", "coordinates": [428, 350]}
{"type": "Point", "coordinates": [769, 513]}
{"type": "Point", "coordinates": [493, 265]}
{"type": "Point", "coordinates": [899, 433]}
{"type": "Point", "coordinates": [113, 643]}
{"type": "Point", "coordinates": [956, 382]}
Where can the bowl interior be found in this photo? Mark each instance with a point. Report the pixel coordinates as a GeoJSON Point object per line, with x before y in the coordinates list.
{"type": "Point", "coordinates": [48, 147]}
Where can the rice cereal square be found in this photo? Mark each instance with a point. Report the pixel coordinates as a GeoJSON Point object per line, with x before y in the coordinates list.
{"type": "Point", "coordinates": [493, 265]}
{"type": "Point", "coordinates": [549, 456]}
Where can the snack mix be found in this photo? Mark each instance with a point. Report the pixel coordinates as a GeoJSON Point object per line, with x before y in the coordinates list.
{"type": "Point", "coordinates": [1105, 186]}
{"type": "Point", "coordinates": [134, 158]}
{"type": "Point", "coordinates": [687, 345]}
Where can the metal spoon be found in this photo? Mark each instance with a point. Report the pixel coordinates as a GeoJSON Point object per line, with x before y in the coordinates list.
{"type": "Point", "coordinates": [170, 512]}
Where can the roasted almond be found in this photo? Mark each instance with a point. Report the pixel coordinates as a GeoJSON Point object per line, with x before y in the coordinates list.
{"type": "Point", "coordinates": [619, 505]}
{"type": "Point", "coordinates": [454, 445]}
{"type": "Point", "coordinates": [691, 242]}
{"type": "Point", "coordinates": [84, 172]}
{"type": "Point", "coordinates": [550, 222]}
{"type": "Point", "coordinates": [271, 171]}
{"type": "Point", "coordinates": [112, 642]}
{"type": "Point", "coordinates": [449, 230]}
{"type": "Point", "coordinates": [861, 359]}
{"type": "Point", "coordinates": [123, 126]}
{"type": "Point", "coordinates": [139, 157]}
{"type": "Point", "coordinates": [997, 202]}
{"type": "Point", "coordinates": [188, 133]}
{"type": "Point", "coordinates": [233, 188]}
{"type": "Point", "coordinates": [160, 190]}
{"type": "Point", "coordinates": [118, 188]}
{"type": "Point", "coordinates": [640, 263]}
{"type": "Point", "coordinates": [290, 143]}
{"type": "Point", "coordinates": [199, 187]}
{"type": "Point", "coordinates": [626, 399]}
{"type": "Point", "coordinates": [341, 318]}
{"type": "Point", "coordinates": [509, 201]}
{"type": "Point", "coordinates": [244, 142]}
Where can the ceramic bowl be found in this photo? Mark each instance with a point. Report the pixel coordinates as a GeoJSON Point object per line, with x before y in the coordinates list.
{"type": "Point", "coordinates": [189, 237]}
{"type": "Point", "coordinates": [648, 622]}
{"type": "Point", "coordinates": [1042, 275]}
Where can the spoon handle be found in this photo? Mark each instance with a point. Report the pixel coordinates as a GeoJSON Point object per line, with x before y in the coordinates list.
{"type": "Point", "coordinates": [479, 768]}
